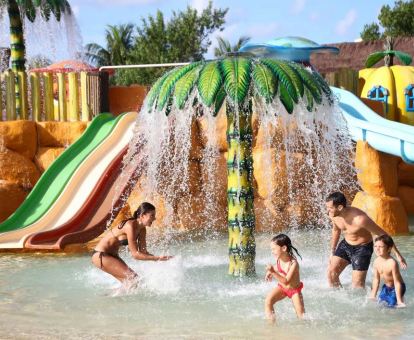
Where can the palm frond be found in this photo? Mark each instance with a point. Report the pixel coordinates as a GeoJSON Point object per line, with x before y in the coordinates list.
{"type": "Point", "coordinates": [184, 86]}
{"type": "Point", "coordinates": [286, 98]}
{"type": "Point", "coordinates": [219, 100]}
{"type": "Point", "coordinates": [405, 58]}
{"type": "Point", "coordinates": [209, 82]}
{"type": "Point", "coordinates": [283, 77]}
{"type": "Point", "coordinates": [265, 82]}
{"type": "Point", "coordinates": [169, 82]}
{"type": "Point", "coordinates": [236, 73]}
{"type": "Point", "coordinates": [374, 58]}
{"type": "Point", "coordinates": [310, 82]}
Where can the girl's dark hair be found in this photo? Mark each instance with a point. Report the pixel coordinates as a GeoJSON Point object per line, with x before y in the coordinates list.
{"type": "Point", "coordinates": [386, 239]}
{"type": "Point", "coordinates": [284, 240]}
{"type": "Point", "coordinates": [143, 209]}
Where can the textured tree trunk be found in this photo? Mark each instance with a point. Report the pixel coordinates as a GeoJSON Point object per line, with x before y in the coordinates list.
{"type": "Point", "coordinates": [16, 45]}
{"type": "Point", "coordinates": [241, 220]}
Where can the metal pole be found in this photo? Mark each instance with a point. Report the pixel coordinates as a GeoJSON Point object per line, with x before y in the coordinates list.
{"type": "Point", "coordinates": [142, 66]}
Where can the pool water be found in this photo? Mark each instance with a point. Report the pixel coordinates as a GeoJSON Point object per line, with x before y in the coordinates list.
{"type": "Point", "coordinates": [191, 297]}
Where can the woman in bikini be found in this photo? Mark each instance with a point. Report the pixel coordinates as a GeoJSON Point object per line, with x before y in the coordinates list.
{"type": "Point", "coordinates": [131, 232]}
{"type": "Point", "coordinates": [286, 272]}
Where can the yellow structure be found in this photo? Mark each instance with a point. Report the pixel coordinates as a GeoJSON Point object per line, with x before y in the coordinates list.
{"type": "Point", "coordinates": [394, 87]}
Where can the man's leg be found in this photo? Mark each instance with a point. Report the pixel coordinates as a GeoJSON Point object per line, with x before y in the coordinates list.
{"type": "Point", "coordinates": [335, 268]}
{"type": "Point", "coordinates": [358, 278]}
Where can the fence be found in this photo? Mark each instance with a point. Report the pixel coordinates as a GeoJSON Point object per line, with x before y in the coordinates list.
{"type": "Point", "coordinates": [346, 79]}
{"type": "Point", "coordinates": [47, 96]}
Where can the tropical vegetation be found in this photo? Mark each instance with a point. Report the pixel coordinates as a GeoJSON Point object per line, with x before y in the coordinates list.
{"type": "Point", "coordinates": [224, 46]}
{"type": "Point", "coordinates": [395, 22]}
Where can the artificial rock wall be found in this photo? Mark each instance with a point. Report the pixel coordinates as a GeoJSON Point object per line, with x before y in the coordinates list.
{"type": "Point", "coordinates": [26, 149]}
{"type": "Point", "coordinates": [388, 188]}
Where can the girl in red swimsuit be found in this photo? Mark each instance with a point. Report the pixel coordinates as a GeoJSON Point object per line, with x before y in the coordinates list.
{"type": "Point", "coordinates": [286, 272]}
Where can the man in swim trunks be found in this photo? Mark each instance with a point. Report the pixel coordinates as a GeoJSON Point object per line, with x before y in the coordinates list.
{"type": "Point", "coordinates": [357, 246]}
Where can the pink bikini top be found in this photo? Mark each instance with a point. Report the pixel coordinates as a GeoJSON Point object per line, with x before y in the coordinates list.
{"type": "Point", "coordinates": [279, 267]}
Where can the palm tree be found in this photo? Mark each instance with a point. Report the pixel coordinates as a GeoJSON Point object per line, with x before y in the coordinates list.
{"type": "Point", "coordinates": [17, 10]}
{"type": "Point", "coordinates": [225, 47]}
{"type": "Point", "coordinates": [119, 41]}
{"type": "Point", "coordinates": [388, 55]}
{"type": "Point", "coordinates": [230, 81]}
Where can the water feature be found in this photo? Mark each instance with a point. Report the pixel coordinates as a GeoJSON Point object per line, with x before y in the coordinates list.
{"type": "Point", "coordinates": [53, 296]}
{"type": "Point", "coordinates": [61, 39]}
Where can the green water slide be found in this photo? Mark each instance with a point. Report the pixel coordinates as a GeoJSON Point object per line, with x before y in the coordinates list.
{"type": "Point", "coordinates": [55, 178]}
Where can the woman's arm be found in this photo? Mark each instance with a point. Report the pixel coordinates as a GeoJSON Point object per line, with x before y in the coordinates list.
{"type": "Point", "coordinates": [136, 251]}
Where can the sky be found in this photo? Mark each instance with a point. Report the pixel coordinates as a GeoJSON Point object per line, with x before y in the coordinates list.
{"type": "Point", "coordinates": [323, 21]}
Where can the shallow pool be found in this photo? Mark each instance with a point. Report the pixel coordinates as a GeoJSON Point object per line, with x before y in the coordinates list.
{"type": "Point", "coordinates": [191, 296]}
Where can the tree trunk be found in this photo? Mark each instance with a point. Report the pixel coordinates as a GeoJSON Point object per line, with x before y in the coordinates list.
{"type": "Point", "coordinates": [17, 46]}
{"type": "Point", "coordinates": [241, 220]}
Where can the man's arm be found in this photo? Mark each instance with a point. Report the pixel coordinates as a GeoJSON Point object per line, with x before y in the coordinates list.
{"type": "Point", "coordinates": [336, 234]}
{"type": "Point", "coordinates": [373, 228]}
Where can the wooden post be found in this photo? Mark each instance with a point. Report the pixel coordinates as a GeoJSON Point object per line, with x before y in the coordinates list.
{"type": "Point", "coordinates": [62, 97]}
{"type": "Point", "coordinates": [22, 80]}
{"type": "Point", "coordinates": [86, 113]}
{"type": "Point", "coordinates": [10, 95]}
{"type": "Point", "coordinates": [35, 100]}
{"type": "Point", "coordinates": [73, 96]}
{"type": "Point", "coordinates": [48, 96]}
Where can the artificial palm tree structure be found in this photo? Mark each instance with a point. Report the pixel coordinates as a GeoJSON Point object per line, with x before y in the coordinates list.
{"type": "Point", "coordinates": [235, 81]}
{"type": "Point", "coordinates": [17, 10]}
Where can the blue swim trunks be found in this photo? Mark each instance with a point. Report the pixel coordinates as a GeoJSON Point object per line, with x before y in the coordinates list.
{"type": "Point", "coordinates": [388, 296]}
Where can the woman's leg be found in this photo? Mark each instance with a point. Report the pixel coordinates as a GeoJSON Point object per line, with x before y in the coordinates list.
{"type": "Point", "coordinates": [299, 305]}
{"type": "Point", "coordinates": [274, 296]}
{"type": "Point", "coordinates": [114, 266]}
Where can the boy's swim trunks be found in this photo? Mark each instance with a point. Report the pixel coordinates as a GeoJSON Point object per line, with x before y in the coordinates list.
{"type": "Point", "coordinates": [388, 295]}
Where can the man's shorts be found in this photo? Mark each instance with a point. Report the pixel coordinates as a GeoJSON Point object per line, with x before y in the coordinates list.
{"type": "Point", "coordinates": [388, 297]}
{"type": "Point", "coordinates": [359, 256]}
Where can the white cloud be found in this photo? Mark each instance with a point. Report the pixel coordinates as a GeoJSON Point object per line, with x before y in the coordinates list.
{"type": "Point", "coordinates": [344, 24]}
{"type": "Point", "coordinates": [199, 5]}
{"type": "Point", "coordinates": [298, 6]}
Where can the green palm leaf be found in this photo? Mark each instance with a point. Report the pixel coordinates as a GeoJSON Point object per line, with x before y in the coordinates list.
{"type": "Point", "coordinates": [169, 82]}
{"type": "Point", "coordinates": [236, 73]}
{"type": "Point", "coordinates": [309, 99]}
{"type": "Point", "coordinates": [374, 58]}
{"type": "Point", "coordinates": [297, 82]}
{"type": "Point", "coordinates": [283, 77]}
{"type": "Point", "coordinates": [209, 82]}
{"type": "Point", "coordinates": [311, 83]}
{"type": "Point", "coordinates": [285, 98]}
{"type": "Point", "coordinates": [221, 95]}
{"type": "Point", "coordinates": [405, 58]}
{"type": "Point", "coordinates": [265, 81]}
{"type": "Point", "coordinates": [323, 85]}
{"type": "Point", "coordinates": [155, 90]}
{"type": "Point", "coordinates": [184, 86]}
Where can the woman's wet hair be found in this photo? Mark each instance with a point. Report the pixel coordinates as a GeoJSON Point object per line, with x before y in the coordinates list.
{"type": "Point", "coordinates": [143, 209]}
{"type": "Point", "coordinates": [284, 240]}
{"type": "Point", "coordinates": [386, 239]}
{"type": "Point", "coordinates": [337, 198]}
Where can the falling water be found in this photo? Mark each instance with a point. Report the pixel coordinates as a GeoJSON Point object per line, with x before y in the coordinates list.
{"type": "Point", "coordinates": [313, 151]}
{"type": "Point", "coordinates": [60, 39]}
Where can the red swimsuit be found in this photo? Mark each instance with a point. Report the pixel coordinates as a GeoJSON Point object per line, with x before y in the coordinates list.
{"type": "Point", "coordinates": [289, 292]}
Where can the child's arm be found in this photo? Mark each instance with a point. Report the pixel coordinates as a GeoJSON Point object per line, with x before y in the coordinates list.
{"type": "Point", "coordinates": [286, 279]}
{"type": "Point", "coordinates": [375, 282]}
{"type": "Point", "coordinates": [396, 275]}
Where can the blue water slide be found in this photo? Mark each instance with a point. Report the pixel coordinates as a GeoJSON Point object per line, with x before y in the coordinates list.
{"type": "Point", "coordinates": [383, 135]}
